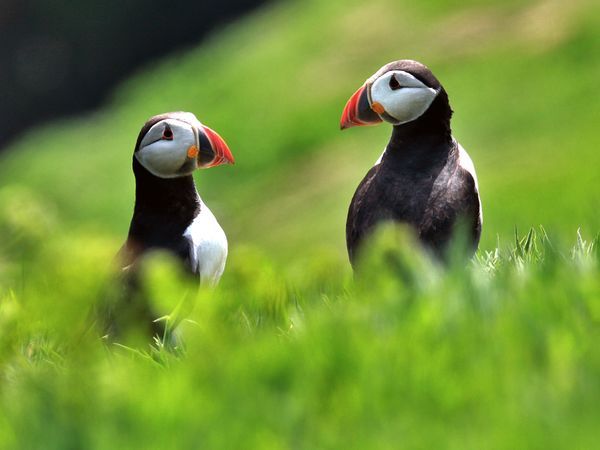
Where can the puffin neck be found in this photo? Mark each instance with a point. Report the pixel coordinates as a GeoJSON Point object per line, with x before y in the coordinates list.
{"type": "Point", "coordinates": [164, 194]}
{"type": "Point", "coordinates": [433, 127]}
{"type": "Point", "coordinates": [416, 144]}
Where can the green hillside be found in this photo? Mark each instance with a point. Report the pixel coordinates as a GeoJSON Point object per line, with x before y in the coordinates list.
{"type": "Point", "coordinates": [291, 351]}
{"type": "Point", "coordinates": [521, 79]}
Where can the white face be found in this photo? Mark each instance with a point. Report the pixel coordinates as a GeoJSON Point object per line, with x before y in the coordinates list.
{"type": "Point", "coordinates": [402, 96]}
{"type": "Point", "coordinates": [170, 148]}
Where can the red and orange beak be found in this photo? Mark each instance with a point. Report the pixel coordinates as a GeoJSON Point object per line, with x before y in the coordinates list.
{"type": "Point", "coordinates": [358, 111]}
{"type": "Point", "coordinates": [213, 149]}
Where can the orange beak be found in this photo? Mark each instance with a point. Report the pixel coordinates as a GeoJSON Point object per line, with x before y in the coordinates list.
{"type": "Point", "coordinates": [358, 111]}
{"type": "Point", "coordinates": [213, 149]}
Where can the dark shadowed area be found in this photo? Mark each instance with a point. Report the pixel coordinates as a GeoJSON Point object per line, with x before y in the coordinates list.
{"type": "Point", "coordinates": [62, 57]}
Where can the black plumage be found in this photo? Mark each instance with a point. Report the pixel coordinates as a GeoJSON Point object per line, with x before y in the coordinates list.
{"type": "Point", "coordinates": [163, 210]}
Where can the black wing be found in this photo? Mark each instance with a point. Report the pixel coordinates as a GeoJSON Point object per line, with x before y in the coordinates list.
{"type": "Point", "coordinates": [362, 214]}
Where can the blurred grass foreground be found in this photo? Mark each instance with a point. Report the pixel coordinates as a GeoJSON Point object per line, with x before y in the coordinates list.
{"type": "Point", "coordinates": [501, 354]}
{"type": "Point", "coordinates": [290, 351]}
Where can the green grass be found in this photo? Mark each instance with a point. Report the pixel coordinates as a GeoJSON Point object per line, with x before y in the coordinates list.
{"type": "Point", "coordinates": [290, 351]}
{"type": "Point", "coordinates": [500, 354]}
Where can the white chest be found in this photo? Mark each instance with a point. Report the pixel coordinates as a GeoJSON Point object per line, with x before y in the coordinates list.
{"type": "Point", "coordinates": [464, 160]}
{"type": "Point", "coordinates": [208, 246]}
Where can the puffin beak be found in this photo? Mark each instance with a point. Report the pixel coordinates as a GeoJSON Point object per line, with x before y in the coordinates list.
{"type": "Point", "coordinates": [359, 111]}
{"type": "Point", "coordinates": [213, 149]}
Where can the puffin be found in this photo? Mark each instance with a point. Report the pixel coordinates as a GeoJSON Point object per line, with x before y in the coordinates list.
{"type": "Point", "coordinates": [424, 178]}
{"type": "Point", "coordinates": [169, 214]}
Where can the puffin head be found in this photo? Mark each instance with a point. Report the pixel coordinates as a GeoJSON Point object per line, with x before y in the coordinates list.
{"type": "Point", "coordinates": [175, 144]}
{"type": "Point", "coordinates": [399, 93]}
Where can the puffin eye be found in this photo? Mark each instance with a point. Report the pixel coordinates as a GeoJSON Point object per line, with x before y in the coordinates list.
{"type": "Point", "coordinates": [394, 84]}
{"type": "Point", "coordinates": [167, 134]}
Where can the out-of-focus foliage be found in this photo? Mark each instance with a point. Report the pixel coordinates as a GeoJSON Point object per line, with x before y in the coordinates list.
{"type": "Point", "coordinates": [502, 353]}
{"type": "Point", "coordinates": [290, 351]}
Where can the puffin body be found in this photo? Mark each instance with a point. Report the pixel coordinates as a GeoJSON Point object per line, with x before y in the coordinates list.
{"type": "Point", "coordinates": [169, 214]}
{"type": "Point", "coordinates": [424, 178]}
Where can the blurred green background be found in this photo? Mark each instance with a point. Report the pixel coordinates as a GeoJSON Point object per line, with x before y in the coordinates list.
{"type": "Point", "coordinates": [521, 76]}
{"type": "Point", "coordinates": [290, 352]}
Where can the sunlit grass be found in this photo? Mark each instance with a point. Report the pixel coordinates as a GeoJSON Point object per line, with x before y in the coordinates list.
{"type": "Point", "coordinates": [497, 353]}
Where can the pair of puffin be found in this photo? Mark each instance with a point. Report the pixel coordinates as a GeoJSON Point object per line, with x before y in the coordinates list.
{"type": "Point", "coordinates": [424, 178]}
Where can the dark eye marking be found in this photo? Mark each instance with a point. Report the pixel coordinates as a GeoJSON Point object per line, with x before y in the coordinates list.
{"type": "Point", "coordinates": [167, 133]}
{"type": "Point", "coordinates": [394, 84]}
